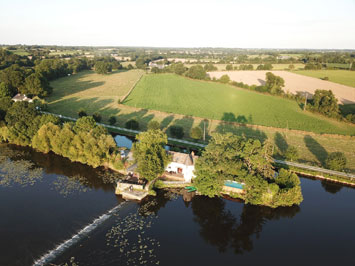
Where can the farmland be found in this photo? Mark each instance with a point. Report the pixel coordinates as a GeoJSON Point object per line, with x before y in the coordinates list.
{"type": "Point", "coordinates": [344, 77]}
{"type": "Point", "coordinates": [176, 94]}
{"type": "Point", "coordinates": [97, 93]}
{"type": "Point", "coordinates": [293, 83]}
{"type": "Point", "coordinates": [91, 91]}
{"type": "Point", "coordinates": [222, 67]}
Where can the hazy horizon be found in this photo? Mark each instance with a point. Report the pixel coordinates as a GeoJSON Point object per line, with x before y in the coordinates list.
{"type": "Point", "coordinates": [255, 24]}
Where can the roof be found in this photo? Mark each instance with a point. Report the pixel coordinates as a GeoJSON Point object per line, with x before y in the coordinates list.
{"type": "Point", "coordinates": [21, 97]}
{"type": "Point", "coordinates": [183, 158]}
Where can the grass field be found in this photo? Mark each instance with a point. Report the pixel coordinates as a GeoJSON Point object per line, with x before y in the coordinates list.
{"type": "Point", "coordinates": [91, 91]}
{"type": "Point", "coordinates": [344, 77]}
{"type": "Point", "coordinates": [96, 93]}
{"type": "Point", "coordinates": [176, 94]}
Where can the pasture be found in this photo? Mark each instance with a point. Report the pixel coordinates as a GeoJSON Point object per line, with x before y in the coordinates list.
{"type": "Point", "coordinates": [344, 77]}
{"type": "Point", "coordinates": [293, 82]}
{"type": "Point", "coordinates": [90, 91]}
{"type": "Point", "coordinates": [175, 94]}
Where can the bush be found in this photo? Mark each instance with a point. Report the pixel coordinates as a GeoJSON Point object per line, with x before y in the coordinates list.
{"type": "Point", "coordinates": [177, 131]}
{"type": "Point", "coordinates": [196, 133]}
{"type": "Point", "coordinates": [291, 153]}
{"type": "Point", "coordinates": [132, 124]}
{"type": "Point", "coordinates": [97, 117]}
{"type": "Point", "coordinates": [325, 78]}
{"type": "Point", "coordinates": [336, 161]}
{"type": "Point", "coordinates": [82, 113]}
{"type": "Point", "coordinates": [153, 125]}
{"type": "Point", "coordinates": [112, 120]}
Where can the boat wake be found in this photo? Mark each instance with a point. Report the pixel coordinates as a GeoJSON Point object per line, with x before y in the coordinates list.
{"type": "Point", "coordinates": [52, 254]}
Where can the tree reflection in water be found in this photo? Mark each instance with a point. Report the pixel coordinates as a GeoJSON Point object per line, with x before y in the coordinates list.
{"type": "Point", "coordinates": [220, 228]}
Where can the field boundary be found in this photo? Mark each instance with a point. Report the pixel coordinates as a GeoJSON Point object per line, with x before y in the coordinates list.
{"type": "Point", "coordinates": [129, 92]}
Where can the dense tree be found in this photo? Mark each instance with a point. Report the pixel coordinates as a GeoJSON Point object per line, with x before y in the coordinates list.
{"type": "Point", "coordinates": [264, 67]}
{"type": "Point", "coordinates": [246, 67]}
{"type": "Point", "coordinates": [336, 161]}
{"type": "Point", "coordinates": [14, 77]}
{"type": "Point", "coordinates": [196, 72]}
{"type": "Point", "coordinates": [274, 83]}
{"type": "Point", "coordinates": [324, 102]}
{"type": "Point", "coordinates": [102, 67]}
{"type": "Point", "coordinates": [149, 153]}
{"type": "Point", "coordinates": [6, 90]}
{"type": "Point", "coordinates": [5, 104]}
{"type": "Point", "coordinates": [229, 67]}
{"type": "Point", "coordinates": [176, 131]}
{"type": "Point", "coordinates": [210, 67]}
{"type": "Point", "coordinates": [36, 84]}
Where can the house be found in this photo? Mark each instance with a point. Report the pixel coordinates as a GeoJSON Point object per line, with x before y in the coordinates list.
{"type": "Point", "coordinates": [21, 97]}
{"type": "Point", "coordinates": [159, 64]}
{"type": "Point", "coordinates": [182, 166]}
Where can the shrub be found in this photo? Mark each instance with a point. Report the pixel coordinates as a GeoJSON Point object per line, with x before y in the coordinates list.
{"type": "Point", "coordinates": [132, 124]}
{"type": "Point", "coordinates": [177, 131]}
{"type": "Point", "coordinates": [153, 125]}
{"type": "Point", "coordinates": [112, 120]}
{"type": "Point", "coordinates": [336, 161]}
{"type": "Point", "coordinates": [196, 133]}
{"type": "Point", "coordinates": [325, 78]}
{"type": "Point", "coordinates": [97, 117]}
{"type": "Point", "coordinates": [82, 113]}
{"type": "Point", "coordinates": [291, 153]}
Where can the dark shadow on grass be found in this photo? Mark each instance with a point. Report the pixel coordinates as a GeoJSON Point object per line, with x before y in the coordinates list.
{"type": "Point", "coordinates": [140, 116]}
{"type": "Point", "coordinates": [280, 142]}
{"type": "Point", "coordinates": [241, 119]}
{"type": "Point", "coordinates": [316, 149]}
{"type": "Point", "coordinates": [226, 127]}
{"type": "Point", "coordinates": [166, 121]}
{"type": "Point", "coordinates": [186, 123]}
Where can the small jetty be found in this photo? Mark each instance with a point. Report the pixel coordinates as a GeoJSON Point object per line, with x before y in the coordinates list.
{"type": "Point", "coordinates": [131, 188]}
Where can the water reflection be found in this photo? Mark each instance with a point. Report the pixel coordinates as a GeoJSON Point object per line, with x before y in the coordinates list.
{"type": "Point", "coordinates": [221, 228]}
{"type": "Point", "coordinates": [330, 187]}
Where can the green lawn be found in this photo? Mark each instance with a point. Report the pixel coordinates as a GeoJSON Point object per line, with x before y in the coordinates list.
{"type": "Point", "coordinates": [176, 94]}
{"type": "Point", "coordinates": [344, 77]}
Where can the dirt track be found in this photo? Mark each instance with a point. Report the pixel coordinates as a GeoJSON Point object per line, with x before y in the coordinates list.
{"type": "Point", "coordinates": [293, 83]}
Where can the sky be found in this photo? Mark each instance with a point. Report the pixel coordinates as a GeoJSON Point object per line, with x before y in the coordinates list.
{"type": "Point", "coordinates": [300, 24]}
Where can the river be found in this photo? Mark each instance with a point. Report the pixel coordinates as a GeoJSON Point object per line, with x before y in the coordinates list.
{"type": "Point", "coordinates": [45, 200]}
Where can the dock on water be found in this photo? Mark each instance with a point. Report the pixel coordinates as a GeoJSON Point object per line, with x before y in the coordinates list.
{"type": "Point", "coordinates": [131, 188]}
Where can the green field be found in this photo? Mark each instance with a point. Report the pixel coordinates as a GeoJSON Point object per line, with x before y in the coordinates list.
{"type": "Point", "coordinates": [344, 77]}
{"type": "Point", "coordinates": [91, 91]}
{"type": "Point", "coordinates": [176, 94]}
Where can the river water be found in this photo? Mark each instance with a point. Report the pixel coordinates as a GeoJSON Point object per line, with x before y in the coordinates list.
{"type": "Point", "coordinates": [61, 211]}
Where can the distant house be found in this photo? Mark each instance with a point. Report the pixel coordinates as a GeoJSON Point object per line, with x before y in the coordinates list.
{"type": "Point", "coordinates": [182, 165]}
{"type": "Point", "coordinates": [21, 98]}
{"type": "Point", "coordinates": [156, 64]}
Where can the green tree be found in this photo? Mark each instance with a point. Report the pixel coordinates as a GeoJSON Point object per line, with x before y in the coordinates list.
{"type": "Point", "coordinates": [196, 133]}
{"type": "Point", "coordinates": [291, 153]}
{"type": "Point", "coordinates": [336, 161]}
{"type": "Point", "coordinates": [36, 84]}
{"type": "Point", "coordinates": [153, 125]}
{"type": "Point", "coordinates": [274, 83]}
{"type": "Point", "coordinates": [291, 67]}
{"type": "Point", "coordinates": [224, 79]}
{"type": "Point", "coordinates": [5, 104]}
{"type": "Point", "coordinates": [102, 67]}
{"type": "Point", "coordinates": [210, 67]}
{"type": "Point", "coordinates": [97, 117]}
{"type": "Point", "coordinates": [82, 113]}
{"type": "Point", "coordinates": [196, 72]}
{"type": "Point", "coordinates": [6, 90]}
{"type": "Point", "coordinates": [229, 67]}
{"type": "Point", "coordinates": [176, 131]}
{"type": "Point", "coordinates": [150, 155]}
{"type": "Point", "coordinates": [324, 102]}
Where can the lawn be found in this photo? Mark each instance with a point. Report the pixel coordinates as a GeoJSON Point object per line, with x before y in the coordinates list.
{"type": "Point", "coordinates": [344, 77]}
{"type": "Point", "coordinates": [175, 94]}
{"type": "Point", "coordinates": [90, 91]}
